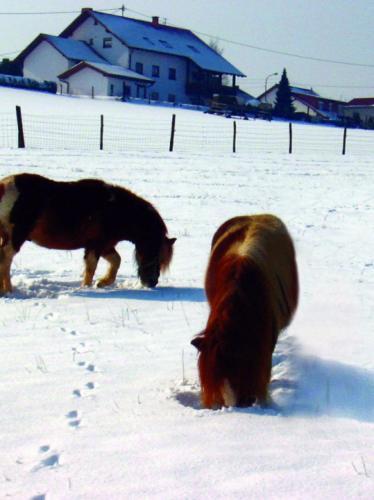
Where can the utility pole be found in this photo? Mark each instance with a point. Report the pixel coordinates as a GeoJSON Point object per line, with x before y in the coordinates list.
{"type": "Point", "coordinates": [123, 10]}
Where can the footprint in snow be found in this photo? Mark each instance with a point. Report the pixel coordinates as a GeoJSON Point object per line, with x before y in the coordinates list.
{"type": "Point", "coordinates": [90, 386]}
{"type": "Point", "coordinates": [49, 462]}
{"type": "Point", "coordinates": [73, 418]}
{"type": "Point", "coordinates": [49, 315]}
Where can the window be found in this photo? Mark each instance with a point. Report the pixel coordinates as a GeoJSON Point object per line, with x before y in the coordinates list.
{"type": "Point", "coordinates": [107, 42]}
{"type": "Point", "coordinates": [155, 96]}
{"type": "Point", "coordinates": [91, 42]}
{"type": "Point", "coordinates": [172, 98]}
{"type": "Point", "coordinates": [111, 91]}
{"type": "Point", "coordinates": [139, 67]}
{"type": "Point", "coordinates": [126, 90]}
{"type": "Point", "coordinates": [194, 49]}
{"type": "Point", "coordinates": [166, 44]}
{"type": "Point", "coordinates": [148, 40]}
{"type": "Point", "coordinates": [155, 71]}
{"type": "Point", "coordinates": [172, 74]}
{"type": "Point", "coordinates": [140, 92]}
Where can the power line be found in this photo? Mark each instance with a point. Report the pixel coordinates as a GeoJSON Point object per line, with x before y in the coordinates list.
{"type": "Point", "coordinates": [226, 40]}
{"type": "Point", "coordinates": [9, 53]}
{"type": "Point", "coordinates": [51, 13]}
{"type": "Point", "coordinates": [308, 85]}
{"type": "Point", "coordinates": [289, 54]}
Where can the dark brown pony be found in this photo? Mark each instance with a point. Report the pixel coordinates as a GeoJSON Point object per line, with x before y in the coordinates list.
{"type": "Point", "coordinates": [87, 214]}
{"type": "Point", "coordinates": [252, 289]}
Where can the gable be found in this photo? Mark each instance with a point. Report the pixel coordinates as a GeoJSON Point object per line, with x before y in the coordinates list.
{"type": "Point", "coordinates": [70, 49]}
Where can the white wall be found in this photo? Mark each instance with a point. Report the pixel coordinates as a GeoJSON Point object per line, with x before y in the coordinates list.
{"type": "Point", "coordinates": [81, 83]}
{"type": "Point", "coordinates": [163, 85]}
{"type": "Point", "coordinates": [117, 54]}
{"type": "Point", "coordinates": [45, 63]}
{"type": "Point", "coordinates": [270, 97]}
{"type": "Point", "coordinates": [365, 112]}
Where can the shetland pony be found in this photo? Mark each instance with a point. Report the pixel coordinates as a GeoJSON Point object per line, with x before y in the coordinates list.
{"type": "Point", "coordinates": [87, 214]}
{"type": "Point", "coordinates": [252, 290]}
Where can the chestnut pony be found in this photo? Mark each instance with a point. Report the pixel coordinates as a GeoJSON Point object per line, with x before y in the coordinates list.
{"type": "Point", "coordinates": [87, 214]}
{"type": "Point", "coordinates": [252, 290]}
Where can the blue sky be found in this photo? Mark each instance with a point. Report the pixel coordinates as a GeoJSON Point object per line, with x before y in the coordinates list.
{"type": "Point", "coordinates": [267, 32]}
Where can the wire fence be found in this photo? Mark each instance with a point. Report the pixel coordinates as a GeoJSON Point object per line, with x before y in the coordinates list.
{"type": "Point", "coordinates": [199, 133]}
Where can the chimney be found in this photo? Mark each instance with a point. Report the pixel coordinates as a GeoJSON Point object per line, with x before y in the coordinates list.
{"type": "Point", "coordinates": [155, 20]}
{"type": "Point", "coordinates": [86, 9]}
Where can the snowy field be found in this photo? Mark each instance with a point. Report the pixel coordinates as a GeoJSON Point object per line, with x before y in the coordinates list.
{"type": "Point", "coordinates": [99, 388]}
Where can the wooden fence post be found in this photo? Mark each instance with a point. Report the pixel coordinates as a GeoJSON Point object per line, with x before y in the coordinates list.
{"type": "Point", "coordinates": [234, 138]}
{"type": "Point", "coordinates": [344, 140]}
{"type": "Point", "coordinates": [290, 143]}
{"type": "Point", "coordinates": [172, 134]}
{"type": "Point", "coordinates": [21, 136]}
{"type": "Point", "coordinates": [101, 132]}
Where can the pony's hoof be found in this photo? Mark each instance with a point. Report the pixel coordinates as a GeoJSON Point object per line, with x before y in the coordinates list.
{"type": "Point", "coordinates": [103, 283]}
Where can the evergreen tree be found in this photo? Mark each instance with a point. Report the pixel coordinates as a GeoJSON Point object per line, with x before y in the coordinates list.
{"type": "Point", "coordinates": [8, 67]}
{"type": "Point", "coordinates": [283, 102]}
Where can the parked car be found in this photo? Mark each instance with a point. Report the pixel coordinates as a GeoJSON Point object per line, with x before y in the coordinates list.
{"type": "Point", "coordinates": [228, 106]}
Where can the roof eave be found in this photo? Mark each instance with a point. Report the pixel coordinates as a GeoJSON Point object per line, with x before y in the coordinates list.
{"type": "Point", "coordinates": [85, 64]}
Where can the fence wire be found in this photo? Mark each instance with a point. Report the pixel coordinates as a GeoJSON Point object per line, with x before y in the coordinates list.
{"type": "Point", "coordinates": [8, 130]}
{"type": "Point", "coordinates": [202, 133]}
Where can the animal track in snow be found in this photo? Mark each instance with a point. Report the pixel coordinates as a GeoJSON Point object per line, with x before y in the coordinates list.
{"type": "Point", "coordinates": [70, 332]}
{"type": "Point", "coordinates": [73, 418]}
{"type": "Point", "coordinates": [51, 461]}
{"type": "Point", "coordinates": [50, 315]}
{"type": "Point", "coordinates": [89, 386]}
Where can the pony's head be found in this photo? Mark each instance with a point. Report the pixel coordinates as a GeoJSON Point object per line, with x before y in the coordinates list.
{"type": "Point", "coordinates": [228, 376]}
{"type": "Point", "coordinates": [153, 259]}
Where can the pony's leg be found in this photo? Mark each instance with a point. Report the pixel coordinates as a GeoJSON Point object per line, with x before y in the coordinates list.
{"type": "Point", "coordinates": [114, 260]}
{"type": "Point", "coordinates": [90, 263]}
{"type": "Point", "coordinates": [6, 256]}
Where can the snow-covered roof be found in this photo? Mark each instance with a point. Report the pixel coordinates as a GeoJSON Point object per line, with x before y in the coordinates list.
{"type": "Point", "coordinates": [108, 70]}
{"type": "Point", "coordinates": [159, 38]}
{"type": "Point", "coordinates": [362, 101]}
{"type": "Point", "coordinates": [299, 90]}
{"type": "Point", "coordinates": [69, 48]}
{"type": "Point", "coordinates": [74, 49]}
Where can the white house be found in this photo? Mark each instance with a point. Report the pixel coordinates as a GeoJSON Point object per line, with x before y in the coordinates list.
{"type": "Point", "coordinates": [361, 110]}
{"type": "Point", "coordinates": [130, 58]}
{"type": "Point", "coordinates": [90, 78]}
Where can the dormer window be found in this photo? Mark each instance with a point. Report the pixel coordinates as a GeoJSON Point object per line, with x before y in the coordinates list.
{"type": "Point", "coordinates": [166, 44]}
{"type": "Point", "coordinates": [148, 40]}
{"type": "Point", "coordinates": [107, 42]}
{"type": "Point", "coordinates": [194, 49]}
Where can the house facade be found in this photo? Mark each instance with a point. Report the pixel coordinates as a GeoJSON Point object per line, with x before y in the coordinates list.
{"type": "Point", "coordinates": [360, 111]}
{"type": "Point", "coordinates": [163, 63]}
{"type": "Point", "coordinates": [307, 102]}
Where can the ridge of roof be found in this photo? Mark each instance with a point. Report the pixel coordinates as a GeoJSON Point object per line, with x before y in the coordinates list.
{"type": "Point", "coordinates": [106, 69]}
{"type": "Point", "coordinates": [68, 47]}
{"type": "Point", "coordinates": [145, 35]}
